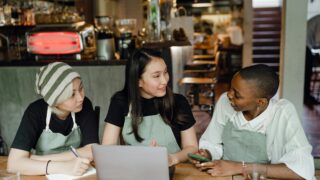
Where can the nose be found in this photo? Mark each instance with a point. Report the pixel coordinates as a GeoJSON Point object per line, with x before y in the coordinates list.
{"type": "Point", "coordinates": [79, 96]}
{"type": "Point", "coordinates": [164, 79]}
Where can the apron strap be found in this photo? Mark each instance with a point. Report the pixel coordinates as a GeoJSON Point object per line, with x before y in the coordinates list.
{"type": "Point", "coordinates": [74, 120]}
{"type": "Point", "coordinates": [48, 118]}
{"type": "Point", "coordinates": [129, 112]}
{"type": "Point", "coordinates": [49, 111]}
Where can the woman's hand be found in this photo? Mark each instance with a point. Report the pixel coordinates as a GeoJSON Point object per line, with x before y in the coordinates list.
{"type": "Point", "coordinates": [172, 160]}
{"type": "Point", "coordinates": [221, 167]}
{"type": "Point", "coordinates": [201, 152]}
{"type": "Point", "coordinates": [153, 143]}
{"type": "Point", "coordinates": [77, 167]}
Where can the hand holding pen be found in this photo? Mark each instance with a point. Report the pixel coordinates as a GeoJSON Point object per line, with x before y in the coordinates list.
{"type": "Point", "coordinates": [74, 151]}
{"type": "Point", "coordinates": [80, 164]}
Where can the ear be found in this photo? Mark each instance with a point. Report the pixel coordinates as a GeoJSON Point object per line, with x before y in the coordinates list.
{"type": "Point", "coordinates": [262, 102]}
{"type": "Point", "coordinates": [140, 83]}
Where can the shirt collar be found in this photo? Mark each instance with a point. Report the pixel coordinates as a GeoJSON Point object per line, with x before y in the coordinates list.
{"type": "Point", "coordinates": [259, 121]}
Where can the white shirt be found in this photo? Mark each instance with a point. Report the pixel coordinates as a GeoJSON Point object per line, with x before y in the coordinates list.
{"type": "Point", "coordinates": [286, 140]}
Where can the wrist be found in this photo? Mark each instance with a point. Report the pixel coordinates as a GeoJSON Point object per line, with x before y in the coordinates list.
{"type": "Point", "coordinates": [47, 167]}
{"type": "Point", "coordinates": [242, 167]}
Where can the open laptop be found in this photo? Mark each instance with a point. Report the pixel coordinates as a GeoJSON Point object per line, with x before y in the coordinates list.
{"type": "Point", "coordinates": [115, 162]}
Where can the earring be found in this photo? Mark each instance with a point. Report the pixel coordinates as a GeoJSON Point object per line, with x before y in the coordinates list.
{"type": "Point", "coordinates": [258, 108]}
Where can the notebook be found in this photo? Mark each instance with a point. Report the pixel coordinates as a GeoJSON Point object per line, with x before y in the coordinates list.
{"type": "Point", "coordinates": [115, 162]}
{"type": "Point", "coordinates": [90, 171]}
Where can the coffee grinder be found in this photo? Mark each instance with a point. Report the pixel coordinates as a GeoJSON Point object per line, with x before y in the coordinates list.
{"type": "Point", "coordinates": [105, 38]}
{"type": "Point", "coordinates": [125, 40]}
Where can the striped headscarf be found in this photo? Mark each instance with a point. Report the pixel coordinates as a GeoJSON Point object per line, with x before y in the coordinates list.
{"type": "Point", "coordinates": [52, 79]}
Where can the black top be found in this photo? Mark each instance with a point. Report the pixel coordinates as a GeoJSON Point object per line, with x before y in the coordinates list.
{"type": "Point", "coordinates": [34, 122]}
{"type": "Point", "coordinates": [119, 108]}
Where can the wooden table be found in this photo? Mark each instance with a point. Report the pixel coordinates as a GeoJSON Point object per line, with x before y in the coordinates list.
{"type": "Point", "coordinates": [183, 171]}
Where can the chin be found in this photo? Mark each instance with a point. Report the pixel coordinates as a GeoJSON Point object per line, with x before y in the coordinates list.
{"type": "Point", "coordinates": [161, 94]}
{"type": "Point", "coordinates": [78, 109]}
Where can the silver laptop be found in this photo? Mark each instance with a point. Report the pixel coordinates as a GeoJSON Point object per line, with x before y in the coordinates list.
{"type": "Point", "coordinates": [115, 162]}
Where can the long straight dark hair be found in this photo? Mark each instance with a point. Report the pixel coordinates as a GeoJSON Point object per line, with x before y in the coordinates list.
{"type": "Point", "coordinates": [135, 67]}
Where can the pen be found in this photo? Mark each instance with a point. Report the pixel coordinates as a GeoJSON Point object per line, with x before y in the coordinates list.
{"type": "Point", "coordinates": [74, 151]}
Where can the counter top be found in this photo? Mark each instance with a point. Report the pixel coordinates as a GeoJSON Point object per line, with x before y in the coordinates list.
{"type": "Point", "coordinates": [70, 62]}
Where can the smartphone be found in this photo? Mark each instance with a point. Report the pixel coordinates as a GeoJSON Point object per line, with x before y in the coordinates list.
{"type": "Point", "coordinates": [198, 157]}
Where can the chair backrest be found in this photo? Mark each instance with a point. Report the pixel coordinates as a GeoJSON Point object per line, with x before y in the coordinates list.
{"type": "Point", "coordinates": [217, 59]}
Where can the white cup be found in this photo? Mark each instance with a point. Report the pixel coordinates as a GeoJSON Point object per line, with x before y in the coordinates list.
{"type": "Point", "coordinates": [258, 173]}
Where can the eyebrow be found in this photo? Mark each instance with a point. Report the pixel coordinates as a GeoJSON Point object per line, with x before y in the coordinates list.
{"type": "Point", "coordinates": [156, 72]}
{"type": "Point", "coordinates": [236, 92]}
{"type": "Point", "coordinates": [81, 85]}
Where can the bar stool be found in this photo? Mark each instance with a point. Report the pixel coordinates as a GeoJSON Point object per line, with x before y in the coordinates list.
{"type": "Point", "coordinates": [203, 75]}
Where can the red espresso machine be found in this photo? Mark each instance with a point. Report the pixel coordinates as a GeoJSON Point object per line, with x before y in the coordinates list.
{"type": "Point", "coordinates": [74, 41]}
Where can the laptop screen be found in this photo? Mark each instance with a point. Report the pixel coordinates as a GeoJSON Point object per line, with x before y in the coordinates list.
{"type": "Point", "coordinates": [115, 162]}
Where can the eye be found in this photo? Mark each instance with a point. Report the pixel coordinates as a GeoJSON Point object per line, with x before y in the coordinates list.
{"type": "Point", "coordinates": [156, 75]}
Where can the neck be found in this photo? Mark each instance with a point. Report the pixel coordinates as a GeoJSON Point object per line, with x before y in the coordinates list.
{"type": "Point", "coordinates": [249, 115]}
{"type": "Point", "coordinates": [63, 115]}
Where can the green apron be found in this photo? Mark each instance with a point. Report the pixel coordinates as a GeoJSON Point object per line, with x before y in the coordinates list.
{"type": "Point", "coordinates": [243, 145]}
{"type": "Point", "coordinates": [151, 128]}
{"type": "Point", "coordinates": [52, 143]}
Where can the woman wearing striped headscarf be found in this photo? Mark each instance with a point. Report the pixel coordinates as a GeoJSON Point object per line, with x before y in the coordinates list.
{"type": "Point", "coordinates": [61, 119]}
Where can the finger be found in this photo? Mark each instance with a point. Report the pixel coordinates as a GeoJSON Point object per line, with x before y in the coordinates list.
{"type": "Point", "coordinates": [210, 171]}
{"type": "Point", "coordinates": [207, 164]}
{"type": "Point", "coordinates": [84, 166]}
{"type": "Point", "coordinates": [153, 143]}
{"type": "Point", "coordinates": [84, 160]}
{"type": "Point", "coordinates": [194, 161]}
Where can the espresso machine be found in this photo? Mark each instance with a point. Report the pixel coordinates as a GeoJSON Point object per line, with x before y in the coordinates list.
{"type": "Point", "coordinates": [124, 37]}
{"type": "Point", "coordinates": [105, 38]}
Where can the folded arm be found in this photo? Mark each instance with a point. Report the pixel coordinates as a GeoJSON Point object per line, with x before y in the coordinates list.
{"type": "Point", "coordinates": [20, 161]}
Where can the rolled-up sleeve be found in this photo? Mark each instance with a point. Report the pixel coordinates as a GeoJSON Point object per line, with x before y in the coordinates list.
{"type": "Point", "coordinates": [291, 146]}
{"type": "Point", "coordinates": [211, 138]}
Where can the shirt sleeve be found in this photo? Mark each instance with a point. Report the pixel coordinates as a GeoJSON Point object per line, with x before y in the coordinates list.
{"type": "Point", "coordinates": [30, 128]}
{"type": "Point", "coordinates": [89, 123]}
{"type": "Point", "coordinates": [185, 110]}
{"type": "Point", "coordinates": [290, 145]}
{"type": "Point", "coordinates": [117, 111]}
{"type": "Point", "coordinates": [211, 138]}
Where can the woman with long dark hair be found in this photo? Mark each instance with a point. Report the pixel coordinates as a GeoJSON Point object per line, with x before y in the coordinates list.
{"type": "Point", "coordinates": [147, 112]}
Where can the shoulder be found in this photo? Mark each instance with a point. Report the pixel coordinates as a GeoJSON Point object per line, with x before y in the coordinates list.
{"type": "Point", "coordinates": [119, 99]}
{"type": "Point", "coordinates": [284, 113]}
{"type": "Point", "coordinates": [181, 101]}
{"type": "Point", "coordinates": [120, 95]}
{"type": "Point", "coordinates": [179, 98]}
{"type": "Point", "coordinates": [87, 102]}
{"type": "Point", "coordinates": [282, 106]}
{"type": "Point", "coordinates": [37, 106]}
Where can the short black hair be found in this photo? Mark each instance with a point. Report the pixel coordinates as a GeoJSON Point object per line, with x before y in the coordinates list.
{"type": "Point", "coordinates": [265, 78]}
